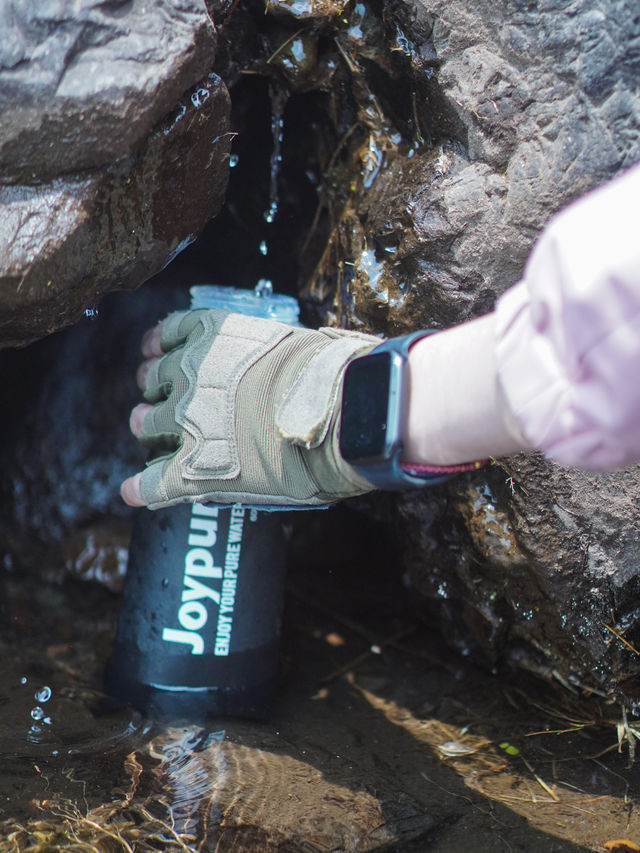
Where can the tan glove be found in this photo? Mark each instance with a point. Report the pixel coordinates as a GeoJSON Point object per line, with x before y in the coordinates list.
{"type": "Point", "coordinates": [247, 411]}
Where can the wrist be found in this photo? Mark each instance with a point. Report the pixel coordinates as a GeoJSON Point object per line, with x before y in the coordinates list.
{"type": "Point", "coordinates": [454, 410]}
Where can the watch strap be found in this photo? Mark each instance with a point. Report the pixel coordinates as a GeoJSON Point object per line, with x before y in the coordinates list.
{"type": "Point", "coordinates": [391, 474]}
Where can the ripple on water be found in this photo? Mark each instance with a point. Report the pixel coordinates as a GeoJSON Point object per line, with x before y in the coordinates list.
{"type": "Point", "coordinates": [49, 718]}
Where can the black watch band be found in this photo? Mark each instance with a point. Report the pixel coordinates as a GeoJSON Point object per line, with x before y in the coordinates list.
{"type": "Point", "coordinates": [373, 401]}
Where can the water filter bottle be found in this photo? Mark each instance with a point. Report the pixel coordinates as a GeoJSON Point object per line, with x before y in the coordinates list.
{"type": "Point", "coordinates": [199, 625]}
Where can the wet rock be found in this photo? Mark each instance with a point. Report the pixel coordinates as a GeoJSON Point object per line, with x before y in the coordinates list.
{"type": "Point", "coordinates": [262, 800]}
{"type": "Point", "coordinates": [526, 562]}
{"type": "Point", "coordinates": [113, 152]}
{"type": "Point", "coordinates": [458, 130]}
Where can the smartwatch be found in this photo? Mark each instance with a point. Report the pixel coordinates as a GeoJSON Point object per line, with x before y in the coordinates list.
{"type": "Point", "coordinates": [373, 404]}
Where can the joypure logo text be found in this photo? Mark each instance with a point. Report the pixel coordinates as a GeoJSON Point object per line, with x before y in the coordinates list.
{"type": "Point", "coordinates": [205, 584]}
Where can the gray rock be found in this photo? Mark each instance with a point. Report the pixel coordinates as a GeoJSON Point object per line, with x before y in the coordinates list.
{"type": "Point", "coordinates": [548, 102]}
{"type": "Point", "coordinates": [82, 90]}
{"type": "Point", "coordinates": [113, 151]}
{"type": "Point", "coordinates": [522, 108]}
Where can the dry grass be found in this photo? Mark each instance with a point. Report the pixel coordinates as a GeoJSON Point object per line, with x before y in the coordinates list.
{"type": "Point", "coordinates": [121, 826]}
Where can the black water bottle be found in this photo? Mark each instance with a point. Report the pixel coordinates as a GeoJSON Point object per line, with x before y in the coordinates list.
{"type": "Point", "coordinates": [199, 626]}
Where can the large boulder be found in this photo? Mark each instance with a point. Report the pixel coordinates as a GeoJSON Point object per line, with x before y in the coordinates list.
{"type": "Point", "coordinates": [113, 151]}
{"type": "Point", "coordinates": [473, 123]}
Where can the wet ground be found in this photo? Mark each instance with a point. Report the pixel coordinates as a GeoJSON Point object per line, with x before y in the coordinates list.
{"type": "Point", "coordinates": [380, 738]}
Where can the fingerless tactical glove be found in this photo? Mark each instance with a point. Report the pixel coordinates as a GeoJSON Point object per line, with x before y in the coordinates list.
{"type": "Point", "coordinates": [247, 411]}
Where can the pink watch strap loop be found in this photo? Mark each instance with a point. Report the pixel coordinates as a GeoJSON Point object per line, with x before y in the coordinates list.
{"type": "Point", "coordinates": [419, 468]}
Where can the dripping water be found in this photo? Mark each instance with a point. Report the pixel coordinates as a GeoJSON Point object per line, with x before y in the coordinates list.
{"type": "Point", "coordinates": [278, 97]}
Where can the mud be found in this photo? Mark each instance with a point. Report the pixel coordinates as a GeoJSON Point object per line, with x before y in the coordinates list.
{"type": "Point", "coordinates": [393, 164]}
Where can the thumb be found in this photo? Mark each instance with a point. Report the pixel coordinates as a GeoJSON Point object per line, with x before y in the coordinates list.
{"type": "Point", "coordinates": [130, 491]}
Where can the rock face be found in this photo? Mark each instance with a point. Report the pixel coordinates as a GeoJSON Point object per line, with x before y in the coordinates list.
{"type": "Point", "coordinates": [544, 571]}
{"type": "Point", "coordinates": [528, 561]}
{"type": "Point", "coordinates": [450, 132]}
{"type": "Point", "coordinates": [113, 151]}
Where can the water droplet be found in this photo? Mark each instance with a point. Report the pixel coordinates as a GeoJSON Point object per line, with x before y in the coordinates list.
{"type": "Point", "coordinates": [37, 713]}
{"type": "Point", "coordinates": [42, 694]}
{"type": "Point", "coordinates": [199, 97]}
{"type": "Point", "coordinates": [278, 99]}
{"type": "Point", "coordinates": [165, 583]}
{"type": "Point", "coordinates": [263, 288]}
{"type": "Point", "coordinates": [23, 680]}
{"type": "Point", "coordinates": [263, 247]}
{"type": "Point", "coordinates": [233, 161]}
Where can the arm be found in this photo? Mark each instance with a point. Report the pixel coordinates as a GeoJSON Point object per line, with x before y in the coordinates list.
{"type": "Point", "coordinates": [557, 365]}
{"type": "Point", "coordinates": [248, 411]}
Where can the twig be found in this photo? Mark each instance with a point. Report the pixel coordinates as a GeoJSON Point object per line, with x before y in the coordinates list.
{"type": "Point", "coordinates": [469, 800]}
{"type": "Point", "coordinates": [621, 638]}
{"type": "Point", "coordinates": [321, 194]}
{"type": "Point", "coordinates": [617, 775]}
{"type": "Point", "coordinates": [355, 662]}
{"type": "Point", "coordinates": [575, 728]}
{"type": "Point", "coordinates": [284, 44]}
{"type": "Point", "coordinates": [603, 752]}
{"type": "Point", "coordinates": [540, 781]}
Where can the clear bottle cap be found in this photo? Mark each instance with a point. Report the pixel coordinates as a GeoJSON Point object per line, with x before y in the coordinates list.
{"type": "Point", "coordinates": [259, 302]}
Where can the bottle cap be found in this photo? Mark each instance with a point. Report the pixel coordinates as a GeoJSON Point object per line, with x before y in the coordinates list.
{"type": "Point", "coordinates": [259, 302]}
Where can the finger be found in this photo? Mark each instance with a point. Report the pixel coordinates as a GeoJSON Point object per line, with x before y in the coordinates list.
{"type": "Point", "coordinates": [137, 417]}
{"type": "Point", "coordinates": [152, 487]}
{"type": "Point", "coordinates": [130, 491]}
{"type": "Point", "coordinates": [143, 371]}
{"type": "Point", "coordinates": [157, 427]}
{"type": "Point", "coordinates": [152, 342]}
{"type": "Point", "coordinates": [179, 326]}
{"type": "Point", "coordinates": [161, 374]}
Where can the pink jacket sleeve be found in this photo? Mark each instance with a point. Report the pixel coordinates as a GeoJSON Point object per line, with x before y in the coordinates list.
{"type": "Point", "coordinates": [568, 334]}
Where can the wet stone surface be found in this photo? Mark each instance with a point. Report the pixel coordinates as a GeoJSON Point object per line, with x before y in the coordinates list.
{"type": "Point", "coordinates": [437, 139]}
{"type": "Point", "coordinates": [113, 152]}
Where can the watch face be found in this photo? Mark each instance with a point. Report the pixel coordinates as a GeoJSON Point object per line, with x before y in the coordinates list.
{"type": "Point", "coordinates": [365, 407]}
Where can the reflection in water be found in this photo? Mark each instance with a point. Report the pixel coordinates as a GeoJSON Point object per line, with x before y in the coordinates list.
{"type": "Point", "coordinates": [193, 767]}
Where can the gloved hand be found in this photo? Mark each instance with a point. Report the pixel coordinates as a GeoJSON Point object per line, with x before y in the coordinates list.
{"type": "Point", "coordinates": [243, 410]}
